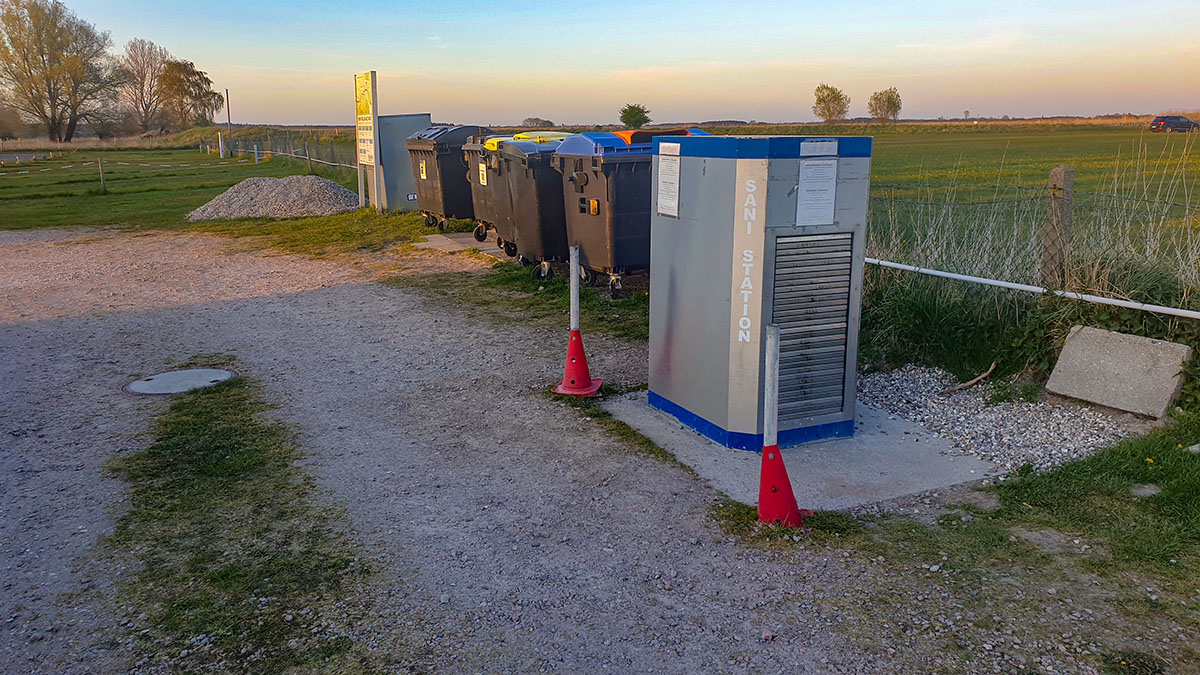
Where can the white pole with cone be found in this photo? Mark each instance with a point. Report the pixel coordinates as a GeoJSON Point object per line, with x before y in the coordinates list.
{"type": "Point", "coordinates": [577, 378]}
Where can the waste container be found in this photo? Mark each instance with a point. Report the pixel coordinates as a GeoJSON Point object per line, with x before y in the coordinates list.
{"type": "Point", "coordinates": [441, 173]}
{"type": "Point", "coordinates": [518, 192]}
{"type": "Point", "coordinates": [606, 187]}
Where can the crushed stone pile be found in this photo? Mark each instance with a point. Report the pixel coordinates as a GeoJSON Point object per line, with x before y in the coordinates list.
{"type": "Point", "coordinates": [291, 197]}
{"type": "Point", "coordinates": [1043, 434]}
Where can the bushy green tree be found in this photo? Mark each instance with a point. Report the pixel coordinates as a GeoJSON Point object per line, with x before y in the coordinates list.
{"type": "Point", "coordinates": [188, 97]}
{"type": "Point", "coordinates": [635, 115]}
{"type": "Point", "coordinates": [830, 103]}
{"type": "Point", "coordinates": [885, 105]}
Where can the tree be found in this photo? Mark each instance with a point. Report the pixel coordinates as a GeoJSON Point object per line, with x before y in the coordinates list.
{"type": "Point", "coordinates": [885, 105]}
{"type": "Point", "coordinates": [142, 89]}
{"type": "Point", "coordinates": [11, 125]}
{"type": "Point", "coordinates": [830, 103]}
{"type": "Point", "coordinates": [188, 98]}
{"type": "Point", "coordinates": [54, 65]}
{"type": "Point", "coordinates": [966, 114]}
{"type": "Point", "coordinates": [635, 115]}
{"type": "Point", "coordinates": [536, 122]}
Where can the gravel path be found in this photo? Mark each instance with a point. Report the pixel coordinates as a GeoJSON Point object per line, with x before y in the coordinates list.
{"type": "Point", "coordinates": [1044, 434]}
{"type": "Point", "coordinates": [512, 535]}
{"type": "Point", "coordinates": [516, 538]}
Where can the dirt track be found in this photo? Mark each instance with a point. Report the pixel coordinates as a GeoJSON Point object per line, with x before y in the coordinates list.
{"type": "Point", "coordinates": [515, 536]}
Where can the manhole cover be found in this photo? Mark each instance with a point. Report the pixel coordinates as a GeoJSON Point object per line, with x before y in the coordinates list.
{"type": "Point", "coordinates": [178, 381]}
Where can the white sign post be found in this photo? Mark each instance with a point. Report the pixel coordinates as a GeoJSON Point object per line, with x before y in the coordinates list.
{"type": "Point", "coordinates": [366, 134]}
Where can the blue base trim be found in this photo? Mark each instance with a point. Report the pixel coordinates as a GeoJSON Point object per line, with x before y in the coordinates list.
{"type": "Point", "coordinates": [752, 442]}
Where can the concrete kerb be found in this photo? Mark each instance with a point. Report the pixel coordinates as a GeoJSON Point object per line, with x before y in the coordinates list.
{"type": "Point", "coordinates": [886, 459]}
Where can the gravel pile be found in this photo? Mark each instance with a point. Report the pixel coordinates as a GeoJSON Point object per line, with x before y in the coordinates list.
{"type": "Point", "coordinates": [1011, 434]}
{"type": "Point", "coordinates": [291, 197]}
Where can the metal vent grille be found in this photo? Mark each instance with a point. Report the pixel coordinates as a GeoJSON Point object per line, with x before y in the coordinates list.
{"type": "Point", "coordinates": [811, 307]}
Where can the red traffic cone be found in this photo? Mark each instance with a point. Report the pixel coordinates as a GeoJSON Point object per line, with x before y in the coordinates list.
{"type": "Point", "coordinates": [577, 379]}
{"type": "Point", "coordinates": [776, 501]}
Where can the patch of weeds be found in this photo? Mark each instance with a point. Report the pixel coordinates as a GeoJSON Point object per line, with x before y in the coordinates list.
{"type": "Point", "coordinates": [1091, 497]}
{"type": "Point", "coordinates": [508, 292]}
{"type": "Point", "coordinates": [590, 409]}
{"type": "Point", "coordinates": [1135, 663]}
{"type": "Point", "coordinates": [233, 562]}
{"type": "Point", "coordinates": [360, 230]}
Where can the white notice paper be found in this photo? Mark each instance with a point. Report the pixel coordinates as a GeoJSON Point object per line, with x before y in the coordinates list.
{"type": "Point", "coordinates": [816, 192]}
{"type": "Point", "coordinates": [668, 185]}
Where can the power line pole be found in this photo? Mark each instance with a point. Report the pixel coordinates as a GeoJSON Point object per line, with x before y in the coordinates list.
{"type": "Point", "coordinates": [228, 117]}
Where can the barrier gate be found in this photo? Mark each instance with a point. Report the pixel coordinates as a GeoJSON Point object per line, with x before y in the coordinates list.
{"type": "Point", "coordinates": [746, 232]}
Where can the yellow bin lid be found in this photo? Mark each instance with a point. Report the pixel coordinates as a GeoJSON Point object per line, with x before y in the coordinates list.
{"type": "Point", "coordinates": [533, 136]}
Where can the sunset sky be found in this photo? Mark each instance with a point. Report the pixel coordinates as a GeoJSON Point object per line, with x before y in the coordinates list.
{"type": "Point", "coordinates": [494, 63]}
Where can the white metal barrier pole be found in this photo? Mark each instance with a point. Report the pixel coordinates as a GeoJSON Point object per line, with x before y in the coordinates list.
{"type": "Point", "coordinates": [1128, 304]}
{"type": "Point", "coordinates": [771, 389]}
{"type": "Point", "coordinates": [256, 153]}
{"type": "Point", "coordinates": [575, 287]}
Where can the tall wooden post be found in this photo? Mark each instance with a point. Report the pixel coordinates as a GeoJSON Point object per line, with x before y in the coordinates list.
{"type": "Point", "coordinates": [103, 185]}
{"type": "Point", "coordinates": [1056, 233]}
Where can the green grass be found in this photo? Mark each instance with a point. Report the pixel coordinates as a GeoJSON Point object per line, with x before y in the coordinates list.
{"type": "Point", "coordinates": [508, 292]}
{"type": "Point", "coordinates": [228, 543]}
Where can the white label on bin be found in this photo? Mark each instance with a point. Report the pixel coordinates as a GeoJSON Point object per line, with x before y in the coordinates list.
{"type": "Point", "coordinates": [668, 186]}
{"type": "Point", "coordinates": [668, 149]}
{"type": "Point", "coordinates": [818, 148]}
{"type": "Point", "coordinates": [816, 192]}
{"type": "Point", "coordinates": [422, 169]}
{"type": "Point", "coordinates": [483, 173]}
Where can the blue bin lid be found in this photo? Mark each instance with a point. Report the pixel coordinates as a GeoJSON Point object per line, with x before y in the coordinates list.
{"type": "Point", "coordinates": [530, 148]}
{"type": "Point", "coordinates": [608, 144]}
{"type": "Point", "coordinates": [760, 147]}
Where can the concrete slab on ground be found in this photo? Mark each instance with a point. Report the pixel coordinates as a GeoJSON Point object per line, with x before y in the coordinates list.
{"type": "Point", "coordinates": [1127, 372]}
{"type": "Point", "coordinates": [886, 459]}
{"type": "Point", "coordinates": [461, 241]}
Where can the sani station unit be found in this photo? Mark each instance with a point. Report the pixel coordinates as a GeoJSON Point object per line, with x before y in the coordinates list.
{"type": "Point", "coordinates": [748, 232]}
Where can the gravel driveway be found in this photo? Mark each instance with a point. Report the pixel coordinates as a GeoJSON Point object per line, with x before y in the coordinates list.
{"type": "Point", "coordinates": [515, 536]}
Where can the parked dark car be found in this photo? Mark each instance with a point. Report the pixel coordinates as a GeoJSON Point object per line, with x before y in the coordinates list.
{"type": "Point", "coordinates": [1169, 123]}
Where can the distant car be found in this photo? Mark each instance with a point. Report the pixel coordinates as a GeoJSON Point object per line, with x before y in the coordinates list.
{"type": "Point", "coordinates": [1169, 123]}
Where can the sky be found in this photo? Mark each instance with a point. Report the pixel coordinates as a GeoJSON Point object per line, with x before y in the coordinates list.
{"type": "Point", "coordinates": [292, 62]}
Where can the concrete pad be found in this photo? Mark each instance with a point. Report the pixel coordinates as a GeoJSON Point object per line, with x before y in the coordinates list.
{"type": "Point", "coordinates": [461, 241]}
{"type": "Point", "coordinates": [887, 458]}
{"type": "Point", "coordinates": [1135, 374]}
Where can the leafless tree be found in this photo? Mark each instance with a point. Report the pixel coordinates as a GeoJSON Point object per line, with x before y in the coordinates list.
{"type": "Point", "coordinates": [55, 66]}
{"type": "Point", "coordinates": [143, 64]}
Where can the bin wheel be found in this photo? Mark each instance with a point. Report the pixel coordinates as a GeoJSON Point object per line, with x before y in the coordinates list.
{"type": "Point", "coordinates": [430, 220]}
{"type": "Point", "coordinates": [443, 225]}
{"type": "Point", "coordinates": [525, 262]}
{"type": "Point", "coordinates": [499, 243]}
{"type": "Point", "coordinates": [510, 249]}
{"type": "Point", "coordinates": [480, 233]}
{"type": "Point", "coordinates": [614, 287]}
{"type": "Point", "coordinates": [587, 276]}
{"type": "Point", "coordinates": [542, 271]}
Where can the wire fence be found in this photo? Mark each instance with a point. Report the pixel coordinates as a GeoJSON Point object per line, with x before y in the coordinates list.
{"type": "Point", "coordinates": [1140, 245]}
{"type": "Point", "coordinates": [307, 148]}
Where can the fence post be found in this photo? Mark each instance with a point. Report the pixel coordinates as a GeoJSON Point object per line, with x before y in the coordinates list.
{"type": "Point", "coordinates": [103, 185]}
{"type": "Point", "coordinates": [1056, 235]}
{"type": "Point", "coordinates": [221, 144]}
{"type": "Point", "coordinates": [307, 156]}
{"type": "Point", "coordinates": [256, 153]}
{"type": "Point", "coordinates": [332, 152]}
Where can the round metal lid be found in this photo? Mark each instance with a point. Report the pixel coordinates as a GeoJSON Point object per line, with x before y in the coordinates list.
{"type": "Point", "coordinates": [178, 381]}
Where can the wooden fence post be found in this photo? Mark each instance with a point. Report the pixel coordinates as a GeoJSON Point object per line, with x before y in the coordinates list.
{"type": "Point", "coordinates": [103, 185]}
{"type": "Point", "coordinates": [1056, 234]}
{"type": "Point", "coordinates": [307, 156]}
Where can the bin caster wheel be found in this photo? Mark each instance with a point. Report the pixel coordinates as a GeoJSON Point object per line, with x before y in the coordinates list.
{"type": "Point", "coordinates": [525, 262]}
{"type": "Point", "coordinates": [614, 287]}
{"type": "Point", "coordinates": [430, 220]}
{"type": "Point", "coordinates": [587, 276]}
{"type": "Point", "coordinates": [499, 243]}
{"type": "Point", "coordinates": [480, 233]}
{"type": "Point", "coordinates": [542, 271]}
{"type": "Point", "coordinates": [443, 225]}
{"type": "Point", "coordinates": [510, 249]}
